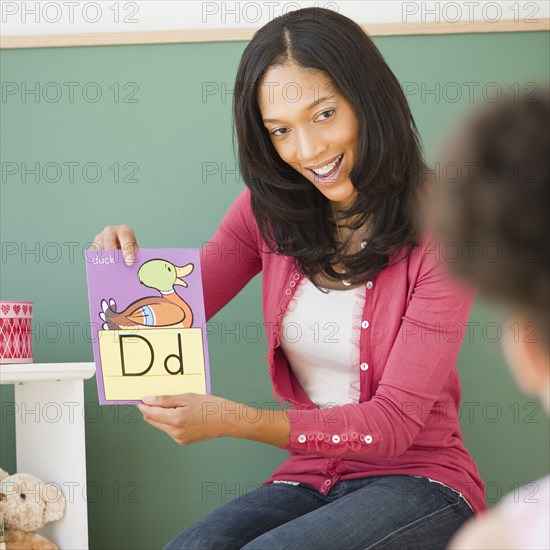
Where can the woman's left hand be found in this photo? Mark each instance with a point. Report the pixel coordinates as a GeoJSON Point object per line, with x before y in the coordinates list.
{"type": "Point", "coordinates": [189, 417]}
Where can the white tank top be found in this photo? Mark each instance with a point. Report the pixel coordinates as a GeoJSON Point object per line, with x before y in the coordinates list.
{"type": "Point", "coordinates": [320, 338]}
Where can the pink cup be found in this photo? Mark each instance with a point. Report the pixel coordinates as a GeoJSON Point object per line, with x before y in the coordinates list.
{"type": "Point", "coordinates": [15, 332]}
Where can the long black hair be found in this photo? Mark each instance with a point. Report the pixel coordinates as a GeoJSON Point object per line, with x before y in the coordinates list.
{"type": "Point", "coordinates": [294, 217]}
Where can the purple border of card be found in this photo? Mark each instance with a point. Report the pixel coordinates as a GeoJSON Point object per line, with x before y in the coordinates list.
{"type": "Point", "coordinates": [114, 279]}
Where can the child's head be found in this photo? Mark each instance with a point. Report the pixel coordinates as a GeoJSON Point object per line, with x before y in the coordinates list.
{"type": "Point", "coordinates": [494, 210]}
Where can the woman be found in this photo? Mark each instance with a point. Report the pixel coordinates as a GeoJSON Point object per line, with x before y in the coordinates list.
{"type": "Point", "coordinates": [361, 319]}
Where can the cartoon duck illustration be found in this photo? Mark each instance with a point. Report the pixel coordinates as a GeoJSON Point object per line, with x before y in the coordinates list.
{"type": "Point", "coordinates": [167, 310]}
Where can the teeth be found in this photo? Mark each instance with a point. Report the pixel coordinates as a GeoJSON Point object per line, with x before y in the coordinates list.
{"type": "Point", "coordinates": [326, 169]}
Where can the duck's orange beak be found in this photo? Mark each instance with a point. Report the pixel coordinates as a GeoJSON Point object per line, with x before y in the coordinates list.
{"type": "Point", "coordinates": [183, 272]}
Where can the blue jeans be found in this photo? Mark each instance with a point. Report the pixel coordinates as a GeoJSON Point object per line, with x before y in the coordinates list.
{"type": "Point", "coordinates": [390, 512]}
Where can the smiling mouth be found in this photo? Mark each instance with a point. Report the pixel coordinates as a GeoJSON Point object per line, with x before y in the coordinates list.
{"type": "Point", "coordinates": [328, 173]}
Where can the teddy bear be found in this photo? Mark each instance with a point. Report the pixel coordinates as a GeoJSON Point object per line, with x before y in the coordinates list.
{"type": "Point", "coordinates": [26, 504]}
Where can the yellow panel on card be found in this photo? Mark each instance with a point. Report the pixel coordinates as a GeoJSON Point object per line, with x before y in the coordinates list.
{"type": "Point", "coordinates": [151, 361]}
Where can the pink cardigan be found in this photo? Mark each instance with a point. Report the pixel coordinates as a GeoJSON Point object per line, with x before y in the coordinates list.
{"type": "Point", "coordinates": [412, 327]}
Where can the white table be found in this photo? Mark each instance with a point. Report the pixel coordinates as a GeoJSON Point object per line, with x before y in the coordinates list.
{"type": "Point", "coordinates": [50, 438]}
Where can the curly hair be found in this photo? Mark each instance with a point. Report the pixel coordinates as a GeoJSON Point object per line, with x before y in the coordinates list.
{"type": "Point", "coordinates": [496, 210]}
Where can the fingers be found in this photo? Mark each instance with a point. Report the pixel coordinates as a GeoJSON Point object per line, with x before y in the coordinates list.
{"type": "Point", "coordinates": [159, 425]}
{"type": "Point", "coordinates": [167, 417]}
{"type": "Point", "coordinates": [128, 243]}
{"type": "Point", "coordinates": [166, 401]}
{"type": "Point", "coordinates": [168, 430]}
{"type": "Point", "coordinates": [117, 237]}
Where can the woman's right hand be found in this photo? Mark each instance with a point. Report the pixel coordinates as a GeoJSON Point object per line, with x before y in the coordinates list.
{"type": "Point", "coordinates": [117, 237]}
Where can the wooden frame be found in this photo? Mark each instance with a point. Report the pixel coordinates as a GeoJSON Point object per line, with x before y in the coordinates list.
{"type": "Point", "coordinates": [231, 35]}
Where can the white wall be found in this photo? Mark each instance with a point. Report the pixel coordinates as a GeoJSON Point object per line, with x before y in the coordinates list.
{"type": "Point", "coordinates": [71, 16]}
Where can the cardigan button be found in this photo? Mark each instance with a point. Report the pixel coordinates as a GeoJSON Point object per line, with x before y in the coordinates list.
{"type": "Point", "coordinates": [364, 366]}
{"type": "Point", "coordinates": [288, 291]}
{"type": "Point", "coordinates": [301, 438]}
{"type": "Point", "coordinates": [368, 439]}
{"type": "Point", "coordinates": [320, 436]}
{"type": "Point", "coordinates": [279, 311]}
{"type": "Point", "coordinates": [353, 435]}
{"type": "Point", "coordinates": [362, 437]}
{"type": "Point", "coordinates": [327, 438]}
{"type": "Point", "coordinates": [344, 437]}
{"type": "Point", "coordinates": [310, 437]}
{"type": "Point", "coordinates": [292, 284]}
{"type": "Point", "coordinates": [365, 324]}
{"type": "Point", "coordinates": [336, 439]}
{"type": "Point", "coordinates": [369, 284]}
{"type": "Point", "coordinates": [296, 276]}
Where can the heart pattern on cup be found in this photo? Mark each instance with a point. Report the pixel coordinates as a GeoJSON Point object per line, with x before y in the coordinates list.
{"type": "Point", "coordinates": [5, 308]}
{"type": "Point", "coordinates": [24, 309]}
{"type": "Point", "coordinates": [17, 309]}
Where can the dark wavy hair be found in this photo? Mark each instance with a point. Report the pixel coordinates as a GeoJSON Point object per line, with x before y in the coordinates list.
{"type": "Point", "coordinates": [294, 217]}
{"type": "Point", "coordinates": [494, 209]}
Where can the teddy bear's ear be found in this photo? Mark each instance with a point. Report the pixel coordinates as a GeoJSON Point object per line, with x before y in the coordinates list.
{"type": "Point", "coordinates": [55, 503]}
{"type": "Point", "coordinates": [3, 475]}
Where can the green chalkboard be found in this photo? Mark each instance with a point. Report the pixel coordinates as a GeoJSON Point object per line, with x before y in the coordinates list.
{"type": "Point", "coordinates": [141, 135]}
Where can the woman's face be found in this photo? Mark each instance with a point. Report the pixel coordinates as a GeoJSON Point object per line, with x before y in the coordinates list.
{"type": "Point", "coordinates": [312, 127]}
